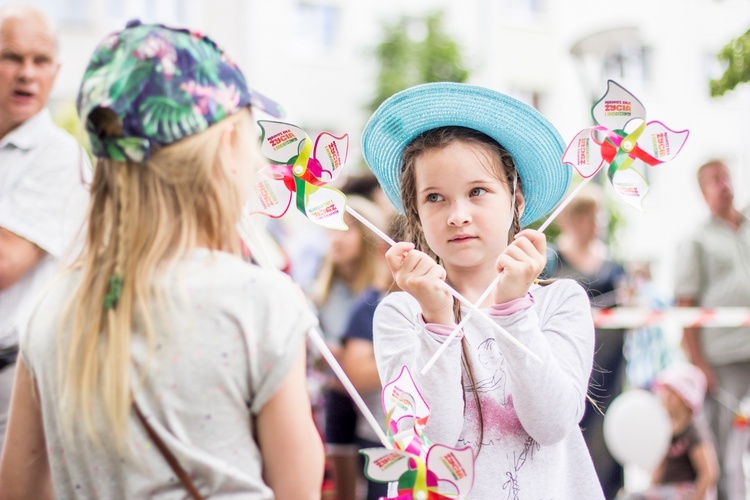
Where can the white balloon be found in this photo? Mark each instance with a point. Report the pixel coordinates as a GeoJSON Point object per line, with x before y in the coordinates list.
{"type": "Point", "coordinates": [637, 429]}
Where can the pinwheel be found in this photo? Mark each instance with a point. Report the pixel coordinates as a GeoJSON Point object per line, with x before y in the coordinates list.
{"type": "Point", "coordinates": [625, 141]}
{"type": "Point", "coordinates": [299, 171]}
{"type": "Point", "coordinates": [422, 470]}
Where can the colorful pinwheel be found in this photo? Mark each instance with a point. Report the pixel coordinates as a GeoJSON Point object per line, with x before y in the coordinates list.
{"type": "Point", "coordinates": [299, 171]}
{"type": "Point", "coordinates": [422, 470]}
{"type": "Point", "coordinates": [623, 140]}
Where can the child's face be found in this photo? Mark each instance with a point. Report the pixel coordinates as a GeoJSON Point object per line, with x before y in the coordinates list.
{"type": "Point", "coordinates": [464, 210]}
{"type": "Point", "coordinates": [674, 404]}
{"type": "Point", "coordinates": [583, 226]}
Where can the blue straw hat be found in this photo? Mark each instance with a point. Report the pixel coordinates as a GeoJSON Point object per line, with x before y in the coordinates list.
{"type": "Point", "coordinates": [534, 143]}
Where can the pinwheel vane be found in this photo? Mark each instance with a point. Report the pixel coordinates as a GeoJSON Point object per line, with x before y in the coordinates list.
{"type": "Point", "coordinates": [422, 470]}
{"type": "Point", "coordinates": [625, 141]}
{"type": "Point", "coordinates": [299, 171]}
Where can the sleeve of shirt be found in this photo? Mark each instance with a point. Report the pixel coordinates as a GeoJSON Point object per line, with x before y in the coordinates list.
{"type": "Point", "coordinates": [549, 396]}
{"type": "Point", "coordinates": [280, 321]}
{"type": "Point", "coordinates": [360, 322]}
{"type": "Point", "coordinates": [689, 273]}
{"type": "Point", "coordinates": [47, 207]}
{"type": "Point", "coordinates": [401, 339]}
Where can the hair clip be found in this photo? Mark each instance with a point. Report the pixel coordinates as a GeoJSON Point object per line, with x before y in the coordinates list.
{"type": "Point", "coordinates": [113, 292]}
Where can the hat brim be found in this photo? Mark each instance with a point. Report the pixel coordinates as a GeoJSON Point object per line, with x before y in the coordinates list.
{"type": "Point", "coordinates": [534, 143]}
{"type": "Point", "coordinates": [263, 103]}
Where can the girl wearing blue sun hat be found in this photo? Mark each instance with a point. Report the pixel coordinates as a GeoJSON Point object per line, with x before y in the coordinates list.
{"type": "Point", "coordinates": [469, 167]}
{"type": "Point", "coordinates": [163, 364]}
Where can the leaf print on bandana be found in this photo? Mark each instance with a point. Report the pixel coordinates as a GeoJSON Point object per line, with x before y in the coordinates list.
{"type": "Point", "coordinates": [168, 121]}
{"type": "Point", "coordinates": [162, 52]}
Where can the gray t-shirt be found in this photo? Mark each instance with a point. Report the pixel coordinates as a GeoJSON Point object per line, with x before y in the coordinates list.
{"type": "Point", "coordinates": [713, 268]}
{"type": "Point", "coordinates": [532, 445]}
{"type": "Point", "coordinates": [220, 352]}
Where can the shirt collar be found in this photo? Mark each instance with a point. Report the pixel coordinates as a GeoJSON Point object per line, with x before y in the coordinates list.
{"type": "Point", "coordinates": [27, 135]}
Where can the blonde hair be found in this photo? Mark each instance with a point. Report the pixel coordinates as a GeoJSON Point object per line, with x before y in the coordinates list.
{"type": "Point", "coordinates": [143, 218]}
{"type": "Point", "coordinates": [369, 267]}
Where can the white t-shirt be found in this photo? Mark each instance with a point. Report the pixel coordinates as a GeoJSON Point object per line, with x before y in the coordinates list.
{"type": "Point", "coordinates": [532, 446]}
{"type": "Point", "coordinates": [43, 199]}
{"type": "Point", "coordinates": [219, 355]}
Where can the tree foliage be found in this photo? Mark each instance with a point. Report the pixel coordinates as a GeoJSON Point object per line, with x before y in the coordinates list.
{"type": "Point", "coordinates": [405, 61]}
{"type": "Point", "coordinates": [736, 55]}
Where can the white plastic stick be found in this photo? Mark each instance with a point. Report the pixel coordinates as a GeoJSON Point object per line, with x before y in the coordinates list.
{"type": "Point", "coordinates": [564, 204]}
{"type": "Point", "coordinates": [458, 328]}
{"type": "Point", "coordinates": [247, 233]}
{"type": "Point", "coordinates": [453, 292]}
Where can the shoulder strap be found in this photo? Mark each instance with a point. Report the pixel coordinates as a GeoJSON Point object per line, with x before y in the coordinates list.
{"type": "Point", "coordinates": [168, 456]}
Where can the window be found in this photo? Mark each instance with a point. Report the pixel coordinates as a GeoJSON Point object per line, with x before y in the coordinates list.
{"type": "Point", "coordinates": [629, 62]}
{"type": "Point", "coordinates": [525, 10]}
{"type": "Point", "coordinates": [317, 26]}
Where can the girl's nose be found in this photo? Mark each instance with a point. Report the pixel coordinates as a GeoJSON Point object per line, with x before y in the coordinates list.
{"type": "Point", "coordinates": [460, 214]}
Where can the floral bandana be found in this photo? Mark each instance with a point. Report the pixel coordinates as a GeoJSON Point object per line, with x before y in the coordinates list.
{"type": "Point", "coordinates": [163, 84]}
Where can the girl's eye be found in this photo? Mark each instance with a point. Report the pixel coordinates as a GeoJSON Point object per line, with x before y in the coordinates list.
{"type": "Point", "coordinates": [478, 191]}
{"type": "Point", "coordinates": [434, 197]}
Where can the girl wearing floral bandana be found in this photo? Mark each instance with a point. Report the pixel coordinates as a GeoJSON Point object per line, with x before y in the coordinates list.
{"type": "Point", "coordinates": [162, 361]}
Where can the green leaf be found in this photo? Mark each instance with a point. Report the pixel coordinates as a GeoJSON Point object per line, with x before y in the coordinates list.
{"type": "Point", "coordinates": [167, 121]}
{"type": "Point", "coordinates": [405, 62]}
{"type": "Point", "coordinates": [736, 56]}
{"type": "Point", "coordinates": [126, 90]}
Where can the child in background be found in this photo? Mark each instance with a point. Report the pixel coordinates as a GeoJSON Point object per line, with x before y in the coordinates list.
{"type": "Point", "coordinates": [470, 167]}
{"type": "Point", "coordinates": [353, 263]}
{"type": "Point", "coordinates": [690, 470]}
{"type": "Point", "coordinates": [358, 359]}
{"type": "Point", "coordinates": [162, 362]}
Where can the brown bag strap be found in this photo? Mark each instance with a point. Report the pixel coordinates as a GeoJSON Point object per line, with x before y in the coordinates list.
{"type": "Point", "coordinates": [169, 457]}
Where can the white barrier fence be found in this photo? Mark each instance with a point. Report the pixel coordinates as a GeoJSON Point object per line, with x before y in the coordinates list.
{"type": "Point", "coordinates": [636, 317]}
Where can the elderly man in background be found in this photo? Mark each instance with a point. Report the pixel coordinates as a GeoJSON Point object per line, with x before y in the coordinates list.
{"type": "Point", "coordinates": [43, 174]}
{"type": "Point", "coordinates": [714, 271]}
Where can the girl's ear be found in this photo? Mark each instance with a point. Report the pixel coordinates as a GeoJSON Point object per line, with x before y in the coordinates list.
{"type": "Point", "coordinates": [228, 148]}
{"type": "Point", "coordinates": [520, 203]}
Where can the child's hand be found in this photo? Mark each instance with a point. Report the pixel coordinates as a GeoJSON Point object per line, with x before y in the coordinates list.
{"type": "Point", "coordinates": [416, 273]}
{"type": "Point", "coordinates": [520, 264]}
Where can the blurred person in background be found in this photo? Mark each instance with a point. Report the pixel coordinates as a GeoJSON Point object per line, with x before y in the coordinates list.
{"type": "Point", "coordinates": [353, 263]}
{"type": "Point", "coordinates": [690, 469]}
{"type": "Point", "coordinates": [366, 185]}
{"type": "Point", "coordinates": [581, 254]}
{"type": "Point", "coordinates": [43, 177]}
{"type": "Point", "coordinates": [358, 357]}
{"type": "Point", "coordinates": [713, 270]}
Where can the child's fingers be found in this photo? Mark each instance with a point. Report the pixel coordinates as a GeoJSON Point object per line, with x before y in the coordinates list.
{"type": "Point", "coordinates": [538, 239]}
{"type": "Point", "coordinates": [505, 261]}
{"type": "Point", "coordinates": [396, 255]}
{"type": "Point", "coordinates": [523, 259]}
{"type": "Point", "coordinates": [537, 258]}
